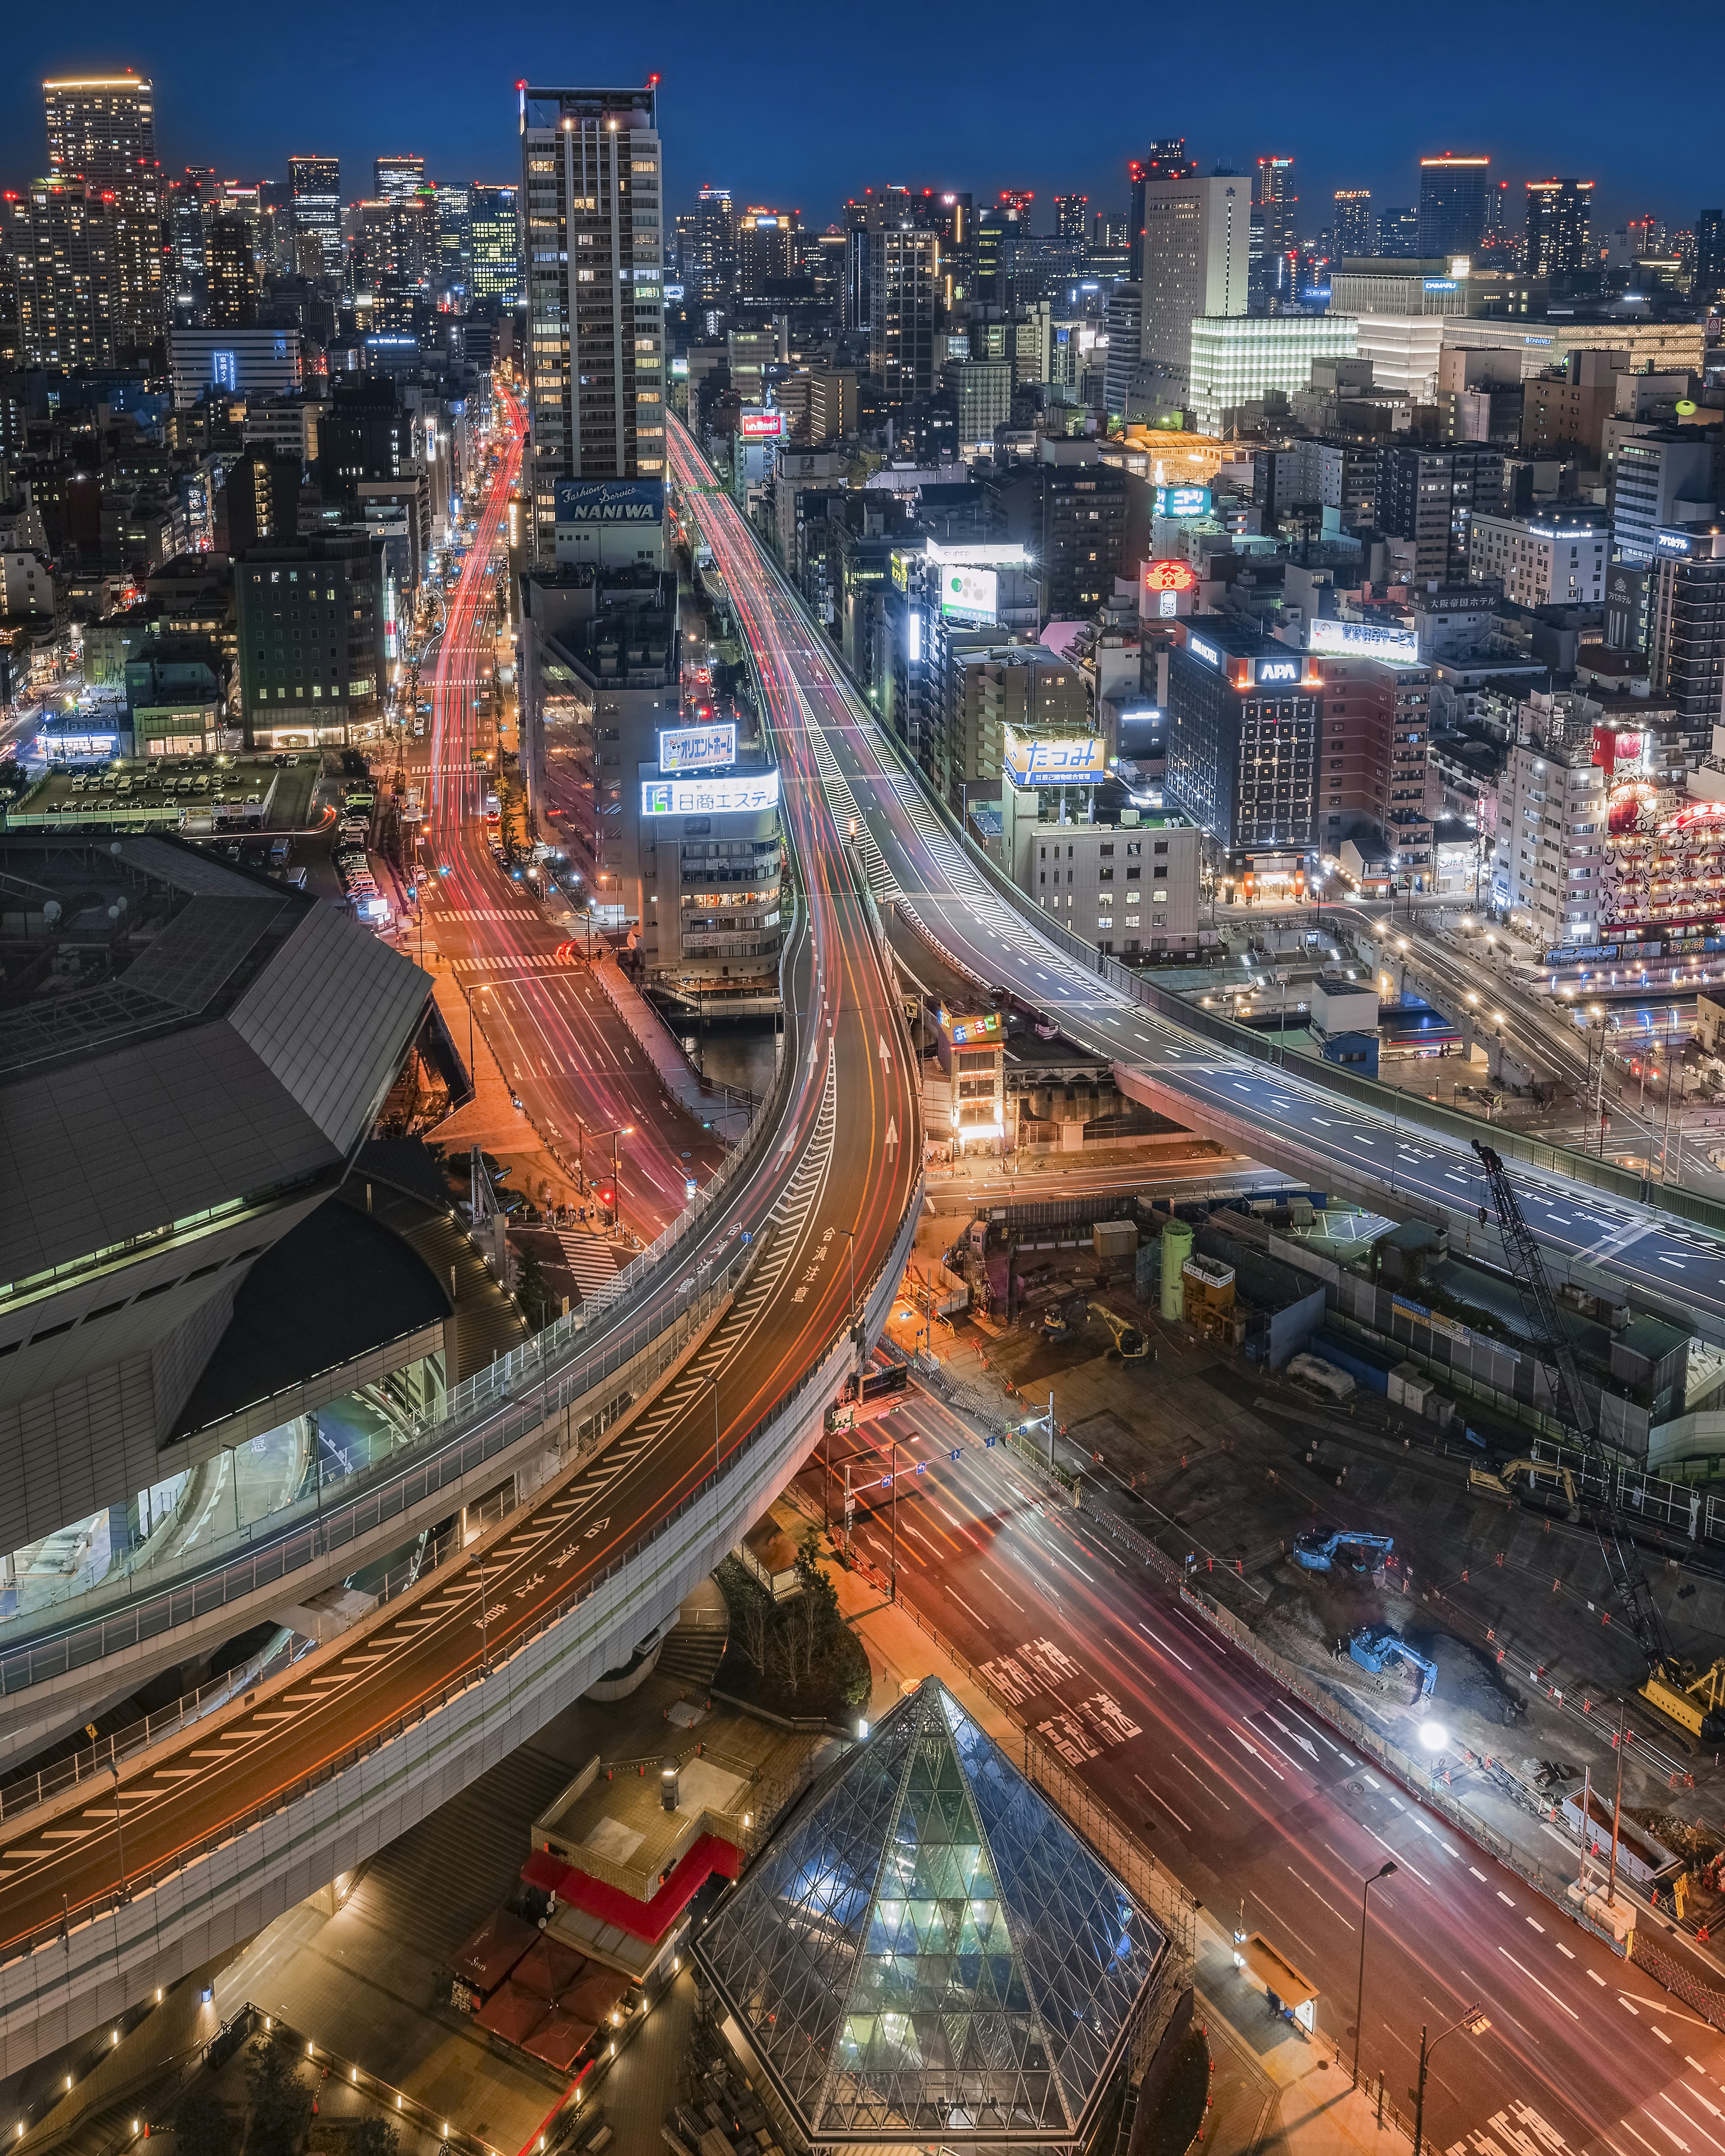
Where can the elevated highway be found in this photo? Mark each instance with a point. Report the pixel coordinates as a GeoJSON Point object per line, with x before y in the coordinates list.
{"type": "Point", "coordinates": [192, 1844]}
{"type": "Point", "coordinates": [1213, 1076]}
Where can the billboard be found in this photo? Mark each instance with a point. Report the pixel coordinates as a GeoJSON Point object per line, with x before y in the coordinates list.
{"type": "Point", "coordinates": [738, 793]}
{"type": "Point", "coordinates": [698, 748]}
{"type": "Point", "coordinates": [1183, 502]}
{"type": "Point", "coordinates": [1080, 760]}
{"type": "Point", "coordinates": [1277, 673]}
{"type": "Point", "coordinates": [610, 502]}
{"type": "Point", "coordinates": [1614, 751]}
{"type": "Point", "coordinates": [1170, 576]}
{"type": "Point", "coordinates": [969, 594]}
{"type": "Point", "coordinates": [1364, 640]}
{"type": "Point", "coordinates": [760, 426]}
{"type": "Point", "coordinates": [1207, 652]}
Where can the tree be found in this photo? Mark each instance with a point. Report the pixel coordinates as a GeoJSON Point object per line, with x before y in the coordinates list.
{"type": "Point", "coordinates": [281, 2103]}
{"type": "Point", "coordinates": [374, 2136]}
{"type": "Point", "coordinates": [204, 2127]}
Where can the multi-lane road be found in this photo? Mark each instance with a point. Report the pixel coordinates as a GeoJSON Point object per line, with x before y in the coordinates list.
{"type": "Point", "coordinates": [927, 865]}
{"type": "Point", "coordinates": [1255, 1805]}
{"type": "Point", "coordinates": [845, 1163]}
{"type": "Point", "coordinates": [591, 1088]}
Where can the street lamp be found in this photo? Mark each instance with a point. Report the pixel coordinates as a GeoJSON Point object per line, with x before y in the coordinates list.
{"type": "Point", "coordinates": [1476, 2025]}
{"type": "Point", "coordinates": [1383, 1871]}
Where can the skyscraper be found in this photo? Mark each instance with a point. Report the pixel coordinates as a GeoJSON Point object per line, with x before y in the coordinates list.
{"type": "Point", "coordinates": [1196, 246]}
{"type": "Point", "coordinates": [1166, 160]}
{"type": "Point", "coordinates": [1559, 226]}
{"type": "Point", "coordinates": [455, 210]}
{"type": "Point", "coordinates": [230, 274]}
{"type": "Point", "coordinates": [493, 242]}
{"type": "Point", "coordinates": [904, 286]}
{"type": "Point", "coordinates": [1452, 203]}
{"type": "Point", "coordinates": [99, 126]}
{"type": "Point", "coordinates": [62, 239]}
{"type": "Point", "coordinates": [394, 179]}
{"type": "Point", "coordinates": [1070, 213]}
{"type": "Point", "coordinates": [595, 232]}
{"type": "Point", "coordinates": [1356, 228]}
{"type": "Point", "coordinates": [1709, 280]}
{"type": "Point", "coordinates": [315, 185]}
{"type": "Point", "coordinates": [1274, 201]}
{"type": "Point", "coordinates": [1398, 234]}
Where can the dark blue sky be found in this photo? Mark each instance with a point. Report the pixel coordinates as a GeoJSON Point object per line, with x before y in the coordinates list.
{"type": "Point", "coordinates": [796, 107]}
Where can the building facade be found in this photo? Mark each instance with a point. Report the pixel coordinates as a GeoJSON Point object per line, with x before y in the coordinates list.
{"type": "Point", "coordinates": [1196, 252]}
{"type": "Point", "coordinates": [1557, 559]}
{"type": "Point", "coordinates": [311, 615]}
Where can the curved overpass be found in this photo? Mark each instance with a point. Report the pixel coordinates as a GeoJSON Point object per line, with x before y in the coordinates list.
{"type": "Point", "coordinates": [201, 1838]}
{"type": "Point", "coordinates": [1204, 1073]}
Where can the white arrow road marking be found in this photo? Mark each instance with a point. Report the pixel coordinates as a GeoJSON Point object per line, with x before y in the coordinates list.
{"type": "Point", "coordinates": [891, 1139]}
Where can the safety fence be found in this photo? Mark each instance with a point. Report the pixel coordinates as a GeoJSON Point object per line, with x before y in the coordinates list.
{"type": "Point", "coordinates": [792, 1408]}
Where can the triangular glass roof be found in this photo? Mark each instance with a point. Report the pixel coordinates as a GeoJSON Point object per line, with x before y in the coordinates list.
{"type": "Point", "coordinates": [927, 1949]}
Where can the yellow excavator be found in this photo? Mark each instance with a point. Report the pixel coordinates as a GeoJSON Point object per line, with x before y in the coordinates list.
{"type": "Point", "coordinates": [1134, 1346]}
{"type": "Point", "coordinates": [1500, 1482]}
{"type": "Point", "coordinates": [1695, 1703]}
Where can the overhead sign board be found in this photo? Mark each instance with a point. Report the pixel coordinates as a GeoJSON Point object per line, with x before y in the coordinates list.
{"type": "Point", "coordinates": [1183, 502]}
{"type": "Point", "coordinates": [1002, 555]}
{"type": "Point", "coordinates": [610, 502]}
{"type": "Point", "coordinates": [1277, 673]}
{"type": "Point", "coordinates": [1206, 652]}
{"type": "Point", "coordinates": [1364, 640]}
{"type": "Point", "coordinates": [983, 1026]}
{"type": "Point", "coordinates": [969, 594]}
{"type": "Point", "coordinates": [760, 426]}
{"type": "Point", "coordinates": [736, 793]}
{"type": "Point", "coordinates": [1078, 760]}
{"type": "Point", "coordinates": [698, 748]}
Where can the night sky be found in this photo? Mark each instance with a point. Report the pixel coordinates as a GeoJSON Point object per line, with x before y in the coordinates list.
{"type": "Point", "coordinates": [796, 107]}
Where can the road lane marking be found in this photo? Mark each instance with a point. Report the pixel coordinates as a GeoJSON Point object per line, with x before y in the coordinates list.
{"type": "Point", "coordinates": [1164, 1644]}
{"type": "Point", "coordinates": [1598, 1979]}
{"type": "Point", "coordinates": [1504, 1899]}
{"type": "Point", "coordinates": [1201, 1782]}
{"type": "Point", "coordinates": [1257, 1754]}
{"type": "Point", "coordinates": [966, 1607]}
{"type": "Point", "coordinates": [1479, 1875]}
{"type": "Point", "coordinates": [998, 1588]}
{"type": "Point", "coordinates": [1534, 1980]}
{"type": "Point", "coordinates": [1316, 1897]}
{"type": "Point", "coordinates": [1158, 1798]}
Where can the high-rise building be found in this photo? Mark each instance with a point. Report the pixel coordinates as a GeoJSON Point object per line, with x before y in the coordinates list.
{"type": "Point", "coordinates": [1709, 280]}
{"type": "Point", "coordinates": [1356, 229]}
{"type": "Point", "coordinates": [315, 185]}
{"type": "Point", "coordinates": [393, 179]}
{"type": "Point", "coordinates": [1452, 203]}
{"type": "Point", "coordinates": [766, 251]}
{"type": "Point", "coordinates": [1398, 234]}
{"type": "Point", "coordinates": [395, 258]}
{"type": "Point", "coordinates": [1427, 497]}
{"type": "Point", "coordinates": [454, 209]}
{"type": "Point", "coordinates": [64, 240]}
{"type": "Point", "coordinates": [1196, 244]}
{"type": "Point", "coordinates": [1499, 246]}
{"type": "Point", "coordinates": [1273, 205]}
{"type": "Point", "coordinates": [1166, 160]}
{"type": "Point", "coordinates": [493, 242]}
{"type": "Point", "coordinates": [99, 127]}
{"type": "Point", "coordinates": [1685, 622]}
{"type": "Point", "coordinates": [591, 174]}
{"type": "Point", "coordinates": [709, 249]}
{"type": "Point", "coordinates": [904, 290]}
{"type": "Point", "coordinates": [1559, 227]}
{"type": "Point", "coordinates": [185, 217]}
{"type": "Point", "coordinates": [230, 274]}
{"type": "Point", "coordinates": [1244, 737]}
{"type": "Point", "coordinates": [1071, 213]}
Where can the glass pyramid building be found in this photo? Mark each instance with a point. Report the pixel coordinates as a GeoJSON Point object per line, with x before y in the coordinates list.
{"type": "Point", "coordinates": [924, 1951]}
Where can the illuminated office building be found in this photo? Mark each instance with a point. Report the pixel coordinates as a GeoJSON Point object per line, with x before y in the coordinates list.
{"type": "Point", "coordinates": [1559, 227]}
{"type": "Point", "coordinates": [1452, 203]}
{"type": "Point", "coordinates": [1355, 228]}
{"type": "Point", "coordinates": [591, 173]}
{"type": "Point", "coordinates": [396, 179]}
{"type": "Point", "coordinates": [493, 242]}
{"type": "Point", "coordinates": [314, 185]}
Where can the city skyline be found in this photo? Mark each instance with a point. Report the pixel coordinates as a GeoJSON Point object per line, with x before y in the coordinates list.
{"type": "Point", "coordinates": [1348, 119]}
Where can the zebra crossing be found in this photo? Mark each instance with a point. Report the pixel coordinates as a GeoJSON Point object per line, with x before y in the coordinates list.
{"type": "Point", "coordinates": [509, 962]}
{"type": "Point", "coordinates": [486, 913]}
{"type": "Point", "coordinates": [842, 802]}
{"type": "Point", "coordinates": [589, 1258]}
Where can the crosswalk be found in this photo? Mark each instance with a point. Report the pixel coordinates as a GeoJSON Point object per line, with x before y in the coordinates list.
{"type": "Point", "coordinates": [593, 1262]}
{"type": "Point", "coordinates": [509, 962]}
{"type": "Point", "coordinates": [486, 913]}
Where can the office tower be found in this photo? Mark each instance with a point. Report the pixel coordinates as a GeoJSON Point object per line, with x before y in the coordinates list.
{"type": "Point", "coordinates": [1123, 367]}
{"type": "Point", "coordinates": [766, 253]}
{"type": "Point", "coordinates": [1497, 242]}
{"type": "Point", "coordinates": [1559, 227]}
{"type": "Point", "coordinates": [185, 217]}
{"type": "Point", "coordinates": [315, 184]}
{"type": "Point", "coordinates": [1452, 203]}
{"type": "Point", "coordinates": [64, 240]}
{"type": "Point", "coordinates": [454, 208]}
{"type": "Point", "coordinates": [230, 274]}
{"type": "Point", "coordinates": [1166, 160]}
{"type": "Point", "coordinates": [99, 127]}
{"type": "Point", "coordinates": [1070, 213]}
{"type": "Point", "coordinates": [904, 290]}
{"type": "Point", "coordinates": [1398, 234]}
{"type": "Point", "coordinates": [1018, 200]}
{"type": "Point", "coordinates": [1195, 242]}
{"type": "Point", "coordinates": [395, 257]}
{"type": "Point", "coordinates": [394, 179]}
{"type": "Point", "coordinates": [595, 231]}
{"type": "Point", "coordinates": [493, 242]}
{"type": "Point", "coordinates": [1709, 279]}
{"type": "Point", "coordinates": [1355, 228]}
{"type": "Point", "coordinates": [710, 266]}
{"type": "Point", "coordinates": [1273, 200]}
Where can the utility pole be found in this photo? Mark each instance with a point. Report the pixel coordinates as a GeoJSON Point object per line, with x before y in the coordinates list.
{"type": "Point", "coordinates": [1617, 1801]}
{"type": "Point", "coordinates": [1476, 2026]}
{"type": "Point", "coordinates": [894, 1519]}
{"type": "Point", "coordinates": [1384, 1871]}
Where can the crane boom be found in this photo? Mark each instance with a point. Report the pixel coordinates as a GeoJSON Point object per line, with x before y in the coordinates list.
{"type": "Point", "coordinates": [1545, 1320]}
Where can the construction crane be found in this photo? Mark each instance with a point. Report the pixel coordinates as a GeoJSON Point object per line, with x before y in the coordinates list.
{"type": "Point", "coordinates": [1668, 1679]}
{"type": "Point", "coordinates": [1320, 1552]}
{"type": "Point", "coordinates": [1500, 1482]}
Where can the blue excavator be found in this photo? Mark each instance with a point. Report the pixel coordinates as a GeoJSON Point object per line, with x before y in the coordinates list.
{"type": "Point", "coordinates": [1375, 1647]}
{"type": "Point", "coordinates": [1342, 1549]}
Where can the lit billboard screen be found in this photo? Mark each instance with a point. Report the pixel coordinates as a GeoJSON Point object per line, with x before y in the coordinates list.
{"type": "Point", "coordinates": [1183, 502]}
{"type": "Point", "coordinates": [609, 501]}
{"type": "Point", "coordinates": [1365, 639]}
{"type": "Point", "coordinates": [698, 748]}
{"type": "Point", "coordinates": [738, 793]}
{"type": "Point", "coordinates": [969, 594]}
{"type": "Point", "coordinates": [761, 426]}
{"type": "Point", "coordinates": [1079, 761]}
